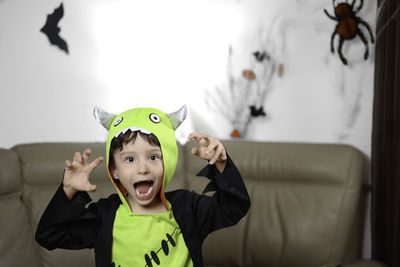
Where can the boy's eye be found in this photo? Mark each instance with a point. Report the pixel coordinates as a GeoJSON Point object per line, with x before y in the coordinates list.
{"type": "Point", "coordinates": [129, 159]}
{"type": "Point", "coordinates": [154, 157]}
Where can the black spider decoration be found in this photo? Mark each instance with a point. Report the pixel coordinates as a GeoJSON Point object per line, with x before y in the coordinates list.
{"type": "Point", "coordinates": [256, 112]}
{"type": "Point", "coordinates": [348, 26]}
{"type": "Point", "coordinates": [260, 56]}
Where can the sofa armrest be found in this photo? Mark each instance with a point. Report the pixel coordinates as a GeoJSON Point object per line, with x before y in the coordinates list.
{"type": "Point", "coordinates": [365, 263]}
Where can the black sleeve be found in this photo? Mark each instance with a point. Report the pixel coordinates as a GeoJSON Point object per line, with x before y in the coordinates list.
{"type": "Point", "coordinates": [227, 205]}
{"type": "Point", "coordinates": [68, 224]}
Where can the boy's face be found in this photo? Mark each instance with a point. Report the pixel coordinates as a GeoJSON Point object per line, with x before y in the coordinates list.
{"type": "Point", "coordinates": [139, 168]}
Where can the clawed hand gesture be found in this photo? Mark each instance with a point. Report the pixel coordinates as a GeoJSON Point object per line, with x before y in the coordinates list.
{"type": "Point", "coordinates": [77, 172]}
{"type": "Point", "coordinates": [210, 149]}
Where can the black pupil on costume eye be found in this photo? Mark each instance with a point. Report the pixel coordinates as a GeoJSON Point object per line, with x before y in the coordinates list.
{"type": "Point", "coordinates": [154, 118]}
{"type": "Point", "coordinates": [118, 121]}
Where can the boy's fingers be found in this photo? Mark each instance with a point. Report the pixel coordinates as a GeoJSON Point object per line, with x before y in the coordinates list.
{"type": "Point", "coordinates": [96, 163]}
{"type": "Point", "coordinates": [212, 145]}
{"type": "Point", "coordinates": [201, 152]}
{"type": "Point", "coordinates": [204, 152]}
{"type": "Point", "coordinates": [195, 151]}
{"type": "Point", "coordinates": [223, 156]}
{"type": "Point", "coordinates": [68, 164]}
{"type": "Point", "coordinates": [75, 164]}
{"type": "Point", "coordinates": [199, 137]}
{"type": "Point", "coordinates": [191, 136]}
{"type": "Point", "coordinates": [205, 136]}
{"type": "Point", "coordinates": [210, 148]}
{"type": "Point", "coordinates": [86, 155]}
{"type": "Point", "coordinates": [203, 141]}
{"type": "Point", "coordinates": [216, 155]}
{"type": "Point", "coordinates": [78, 157]}
{"type": "Point", "coordinates": [91, 187]}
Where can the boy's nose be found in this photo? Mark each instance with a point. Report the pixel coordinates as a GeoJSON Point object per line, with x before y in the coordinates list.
{"type": "Point", "coordinates": [142, 167]}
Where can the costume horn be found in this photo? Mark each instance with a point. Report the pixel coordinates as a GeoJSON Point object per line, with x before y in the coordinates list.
{"type": "Point", "coordinates": [103, 117]}
{"type": "Point", "coordinates": [177, 117]}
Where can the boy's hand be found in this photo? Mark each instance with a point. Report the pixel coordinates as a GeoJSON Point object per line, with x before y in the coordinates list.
{"type": "Point", "coordinates": [210, 149]}
{"type": "Point", "coordinates": [77, 172]}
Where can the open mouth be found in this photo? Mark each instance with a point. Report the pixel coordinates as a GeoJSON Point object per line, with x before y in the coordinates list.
{"type": "Point", "coordinates": [144, 189]}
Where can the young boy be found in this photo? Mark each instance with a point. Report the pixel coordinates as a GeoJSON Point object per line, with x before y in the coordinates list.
{"type": "Point", "coordinates": [142, 225]}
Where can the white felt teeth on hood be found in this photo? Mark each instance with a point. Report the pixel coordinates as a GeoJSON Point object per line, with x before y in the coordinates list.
{"type": "Point", "coordinates": [133, 129]}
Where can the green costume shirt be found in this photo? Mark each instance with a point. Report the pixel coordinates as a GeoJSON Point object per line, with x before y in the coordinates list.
{"type": "Point", "coordinates": [155, 240]}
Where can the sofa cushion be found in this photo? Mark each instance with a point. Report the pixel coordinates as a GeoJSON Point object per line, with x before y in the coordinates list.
{"type": "Point", "coordinates": [305, 208]}
{"type": "Point", "coordinates": [10, 173]}
{"type": "Point", "coordinates": [302, 211]}
{"type": "Point", "coordinates": [42, 172]}
{"type": "Point", "coordinates": [17, 243]}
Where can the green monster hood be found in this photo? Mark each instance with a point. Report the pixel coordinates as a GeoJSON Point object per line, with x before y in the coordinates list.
{"type": "Point", "coordinates": [146, 120]}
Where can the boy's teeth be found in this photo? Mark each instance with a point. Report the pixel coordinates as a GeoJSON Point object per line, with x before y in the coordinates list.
{"type": "Point", "coordinates": [143, 188]}
{"type": "Point", "coordinates": [148, 191]}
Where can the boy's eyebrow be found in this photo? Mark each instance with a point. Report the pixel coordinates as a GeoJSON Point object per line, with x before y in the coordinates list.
{"type": "Point", "coordinates": [155, 150]}
{"type": "Point", "coordinates": [158, 150]}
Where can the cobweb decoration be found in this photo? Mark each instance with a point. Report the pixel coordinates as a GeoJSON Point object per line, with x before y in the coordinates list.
{"type": "Point", "coordinates": [230, 100]}
{"type": "Point", "coordinates": [243, 96]}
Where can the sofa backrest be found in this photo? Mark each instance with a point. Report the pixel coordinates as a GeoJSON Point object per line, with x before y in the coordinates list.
{"type": "Point", "coordinates": [306, 205]}
{"type": "Point", "coordinates": [17, 245]}
{"type": "Point", "coordinates": [42, 168]}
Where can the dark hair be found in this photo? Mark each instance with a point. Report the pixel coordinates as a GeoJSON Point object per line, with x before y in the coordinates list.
{"type": "Point", "coordinates": [125, 138]}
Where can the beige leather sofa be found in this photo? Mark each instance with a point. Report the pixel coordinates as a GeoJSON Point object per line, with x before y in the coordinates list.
{"type": "Point", "coordinates": [308, 203]}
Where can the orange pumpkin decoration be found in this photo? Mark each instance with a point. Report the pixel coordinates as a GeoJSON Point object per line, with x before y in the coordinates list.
{"type": "Point", "coordinates": [280, 70]}
{"type": "Point", "coordinates": [249, 75]}
{"type": "Point", "coordinates": [235, 133]}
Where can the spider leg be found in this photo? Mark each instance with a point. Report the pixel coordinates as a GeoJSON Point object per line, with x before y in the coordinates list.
{"type": "Point", "coordinates": [344, 60]}
{"type": "Point", "coordinates": [332, 39]}
{"type": "Point", "coordinates": [359, 7]}
{"type": "Point", "coordinates": [362, 37]}
{"type": "Point", "coordinates": [352, 3]}
{"type": "Point", "coordinates": [368, 28]}
{"type": "Point", "coordinates": [329, 15]}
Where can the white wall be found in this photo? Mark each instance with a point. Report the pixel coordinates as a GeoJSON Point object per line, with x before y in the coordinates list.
{"type": "Point", "coordinates": [318, 99]}
{"type": "Point", "coordinates": [164, 54]}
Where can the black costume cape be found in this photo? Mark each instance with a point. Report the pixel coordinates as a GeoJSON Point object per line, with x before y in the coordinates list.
{"type": "Point", "coordinates": [69, 225]}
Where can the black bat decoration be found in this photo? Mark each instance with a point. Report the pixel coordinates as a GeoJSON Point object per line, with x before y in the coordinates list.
{"type": "Point", "coordinates": [261, 56]}
{"type": "Point", "coordinates": [256, 112]}
{"type": "Point", "coordinates": [52, 30]}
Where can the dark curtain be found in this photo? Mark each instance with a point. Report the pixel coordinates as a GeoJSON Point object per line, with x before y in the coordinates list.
{"type": "Point", "coordinates": [385, 156]}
